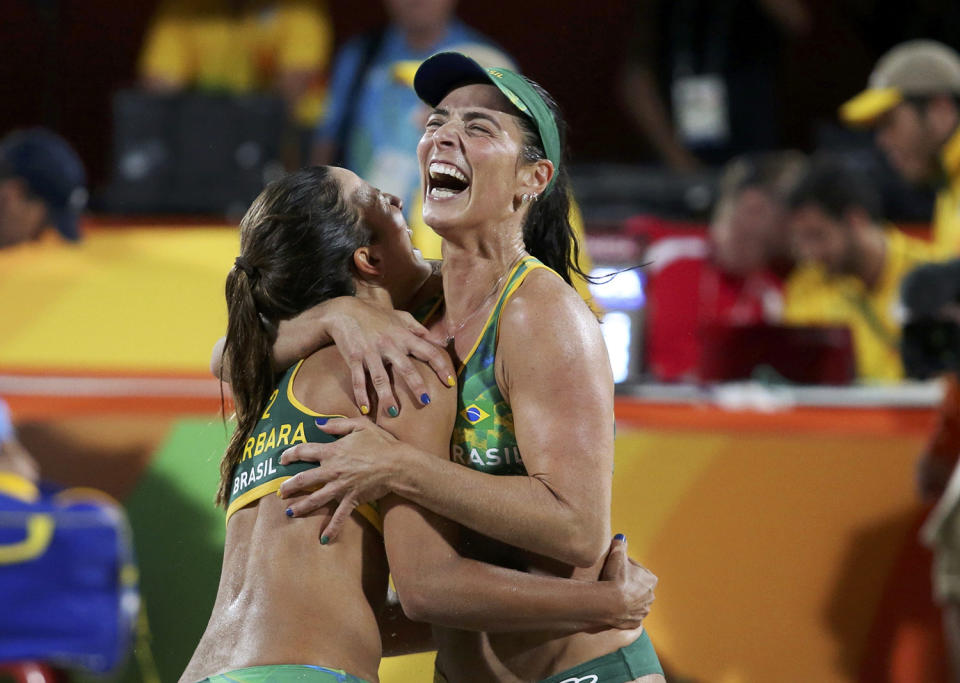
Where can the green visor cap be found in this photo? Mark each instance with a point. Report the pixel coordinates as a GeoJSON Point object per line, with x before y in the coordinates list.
{"type": "Point", "coordinates": [446, 71]}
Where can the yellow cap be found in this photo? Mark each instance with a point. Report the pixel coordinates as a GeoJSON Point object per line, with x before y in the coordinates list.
{"type": "Point", "coordinates": [915, 68]}
{"type": "Point", "coordinates": [869, 105]}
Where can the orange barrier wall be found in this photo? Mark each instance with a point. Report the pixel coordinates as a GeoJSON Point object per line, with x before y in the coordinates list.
{"type": "Point", "coordinates": [780, 540]}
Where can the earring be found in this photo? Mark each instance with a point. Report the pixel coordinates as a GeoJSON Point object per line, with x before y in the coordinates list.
{"type": "Point", "coordinates": [524, 198]}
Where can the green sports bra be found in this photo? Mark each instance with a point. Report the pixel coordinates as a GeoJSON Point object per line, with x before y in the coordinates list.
{"type": "Point", "coordinates": [285, 422]}
{"type": "Point", "coordinates": [483, 433]}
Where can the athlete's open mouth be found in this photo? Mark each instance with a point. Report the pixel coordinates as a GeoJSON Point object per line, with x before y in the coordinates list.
{"type": "Point", "coordinates": [445, 180]}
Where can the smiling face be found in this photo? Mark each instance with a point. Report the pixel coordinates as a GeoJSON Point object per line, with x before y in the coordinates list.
{"type": "Point", "coordinates": [402, 268]}
{"type": "Point", "coordinates": [469, 154]}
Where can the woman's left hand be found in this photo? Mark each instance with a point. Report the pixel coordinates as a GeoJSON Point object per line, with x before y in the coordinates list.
{"type": "Point", "coordinates": [634, 582]}
{"type": "Point", "coordinates": [354, 469]}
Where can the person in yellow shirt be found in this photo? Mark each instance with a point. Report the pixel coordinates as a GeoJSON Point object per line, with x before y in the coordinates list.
{"type": "Point", "coordinates": [913, 102]}
{"type": "Point", "coordinates": [850, 265]}
{"type": "Point", "coordinates": [239, 46]}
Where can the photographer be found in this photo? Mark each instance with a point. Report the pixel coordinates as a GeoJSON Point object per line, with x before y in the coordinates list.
{"type": "Point", "coordinates": [930, 348]}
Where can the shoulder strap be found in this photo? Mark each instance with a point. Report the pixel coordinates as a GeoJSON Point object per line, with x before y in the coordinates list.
{"type": "Point", "coordinates": [371, 46]}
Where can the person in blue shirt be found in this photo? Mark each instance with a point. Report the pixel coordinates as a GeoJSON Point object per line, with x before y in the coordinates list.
{"type": "Point", "coordinates": [374, 119]}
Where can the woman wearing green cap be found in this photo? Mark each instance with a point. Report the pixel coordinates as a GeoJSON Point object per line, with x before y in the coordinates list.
{"type": "Point", "coordinates": [535, 389]}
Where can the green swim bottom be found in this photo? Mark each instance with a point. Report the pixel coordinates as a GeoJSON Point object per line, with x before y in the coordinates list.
{"type": "Point", "coordinates": [621, 666]}
{"type": "Point", "coordinates": [284, 673]}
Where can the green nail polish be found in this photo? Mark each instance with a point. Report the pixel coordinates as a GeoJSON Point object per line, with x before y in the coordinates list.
{"type": "Point", "coordinates": [324, 540]}
{"type": "Point", "coordinates": [392, 411]}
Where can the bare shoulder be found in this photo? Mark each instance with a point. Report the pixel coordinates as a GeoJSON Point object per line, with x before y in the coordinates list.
{"type": "Point", "coordinates": [545, 309]}
{"type": "Point", "coordinates": [323, 384]}
{"type": "Point", "coordinates": [428, 426]}
{"type": "Point", "coordinates": [443, 399]}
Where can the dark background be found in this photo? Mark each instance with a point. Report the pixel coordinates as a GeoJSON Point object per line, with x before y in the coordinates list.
{"type": "Point", "coordinates": [60, 61]}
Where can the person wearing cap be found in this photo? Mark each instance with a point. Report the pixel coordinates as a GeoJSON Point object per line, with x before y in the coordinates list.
{"type": "Point", "coordinates": [42, 184]}
{"type": "Point", "coordinates": [849, 265]}
{"type": "Point", "coordinates": [531, 456]}
{"type": "Point", "coordinates": [429, 242]}
{"type": "Point", "coordinates": [913, 102]}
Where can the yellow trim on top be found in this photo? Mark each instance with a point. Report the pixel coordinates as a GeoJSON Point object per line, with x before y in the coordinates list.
{"type": "Point", "coordinates": [295, 402]}
{"type": "Point", "coordinates": [257, 492]}
{"type": "Point", "coordinates": [433, 311]}
{"type": "Point", "coordinates": [516, 285]}
{"type": "Point", "coordinates": [483, 330]}
{"type": "Point", "coordinates": [367, 511]}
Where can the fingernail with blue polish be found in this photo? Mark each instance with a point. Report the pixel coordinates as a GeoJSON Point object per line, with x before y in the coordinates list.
{"type": "Point", "coordinates": [619, 537]}
{"type": "Point", "coordinates": [392, 411]}
{"type": "Point", "coordinates": [289, 512]}
{"type": "Point", "coordinates": [324, 540]}
{"type": "Point", "coordinates": [321, 421]}
{"type": "Point", "coordinates": [425, 399]}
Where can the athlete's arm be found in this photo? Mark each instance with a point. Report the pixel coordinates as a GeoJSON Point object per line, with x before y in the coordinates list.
{"type": "Point", "coordinates": [368, 339]}
{"type": "Point", "coordinates": [556, 370]}
{"type": "Point", "coordinates": [436, 584]}
{"type": "Point", "coordinates": [400, 635]}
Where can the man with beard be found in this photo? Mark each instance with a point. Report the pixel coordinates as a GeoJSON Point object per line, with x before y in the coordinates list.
{"type": "Point", "coordinates": [850, 265]}
{"type": "Point", "coordinates": [913, 103]}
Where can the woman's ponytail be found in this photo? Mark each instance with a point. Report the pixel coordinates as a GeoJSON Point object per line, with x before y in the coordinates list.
{"type": "Point", "coordinates": [247, 351]}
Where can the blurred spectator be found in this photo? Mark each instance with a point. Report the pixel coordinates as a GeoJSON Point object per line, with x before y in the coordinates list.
{"type": "Point", "coordinates": [42, 184]}
{"type": "Point", "coordinates": [238, 46]}
{"type": "Point", "coordinates": [725, 278]}
{"type": "Point", "coordinates": [913, 101]}
{"type": "Point", "coordinates": [375, 119]}
{"type": "Point", "coordinates": [850, 265]}
{"type": "Point", "coordinates": [701, 74]}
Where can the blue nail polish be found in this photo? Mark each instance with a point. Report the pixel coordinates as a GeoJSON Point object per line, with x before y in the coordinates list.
{"type": "Point", "coordinates": [392, 411]}
{"type": "Point", "coordinates": [425, 399]}
{"type": "Point", "coordinates": [321, 421]}
{"type": "Point", "coordinates": [619, 537]}
{"type": "Point", "coordinates": [289, 512]}
{"type": "Point", "coordinates": [324, 540]}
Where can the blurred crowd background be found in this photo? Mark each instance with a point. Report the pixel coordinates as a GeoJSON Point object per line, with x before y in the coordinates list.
{"type": "Point", "coordinates": [676, 110]}
{"type": "Point", "coordinates": [769, 193]}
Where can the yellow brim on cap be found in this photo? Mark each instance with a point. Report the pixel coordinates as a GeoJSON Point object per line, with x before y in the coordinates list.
{"type": "Point", "coordinates": [866, 107]}
{"type": "Point", "coordinates": [403, 72]}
